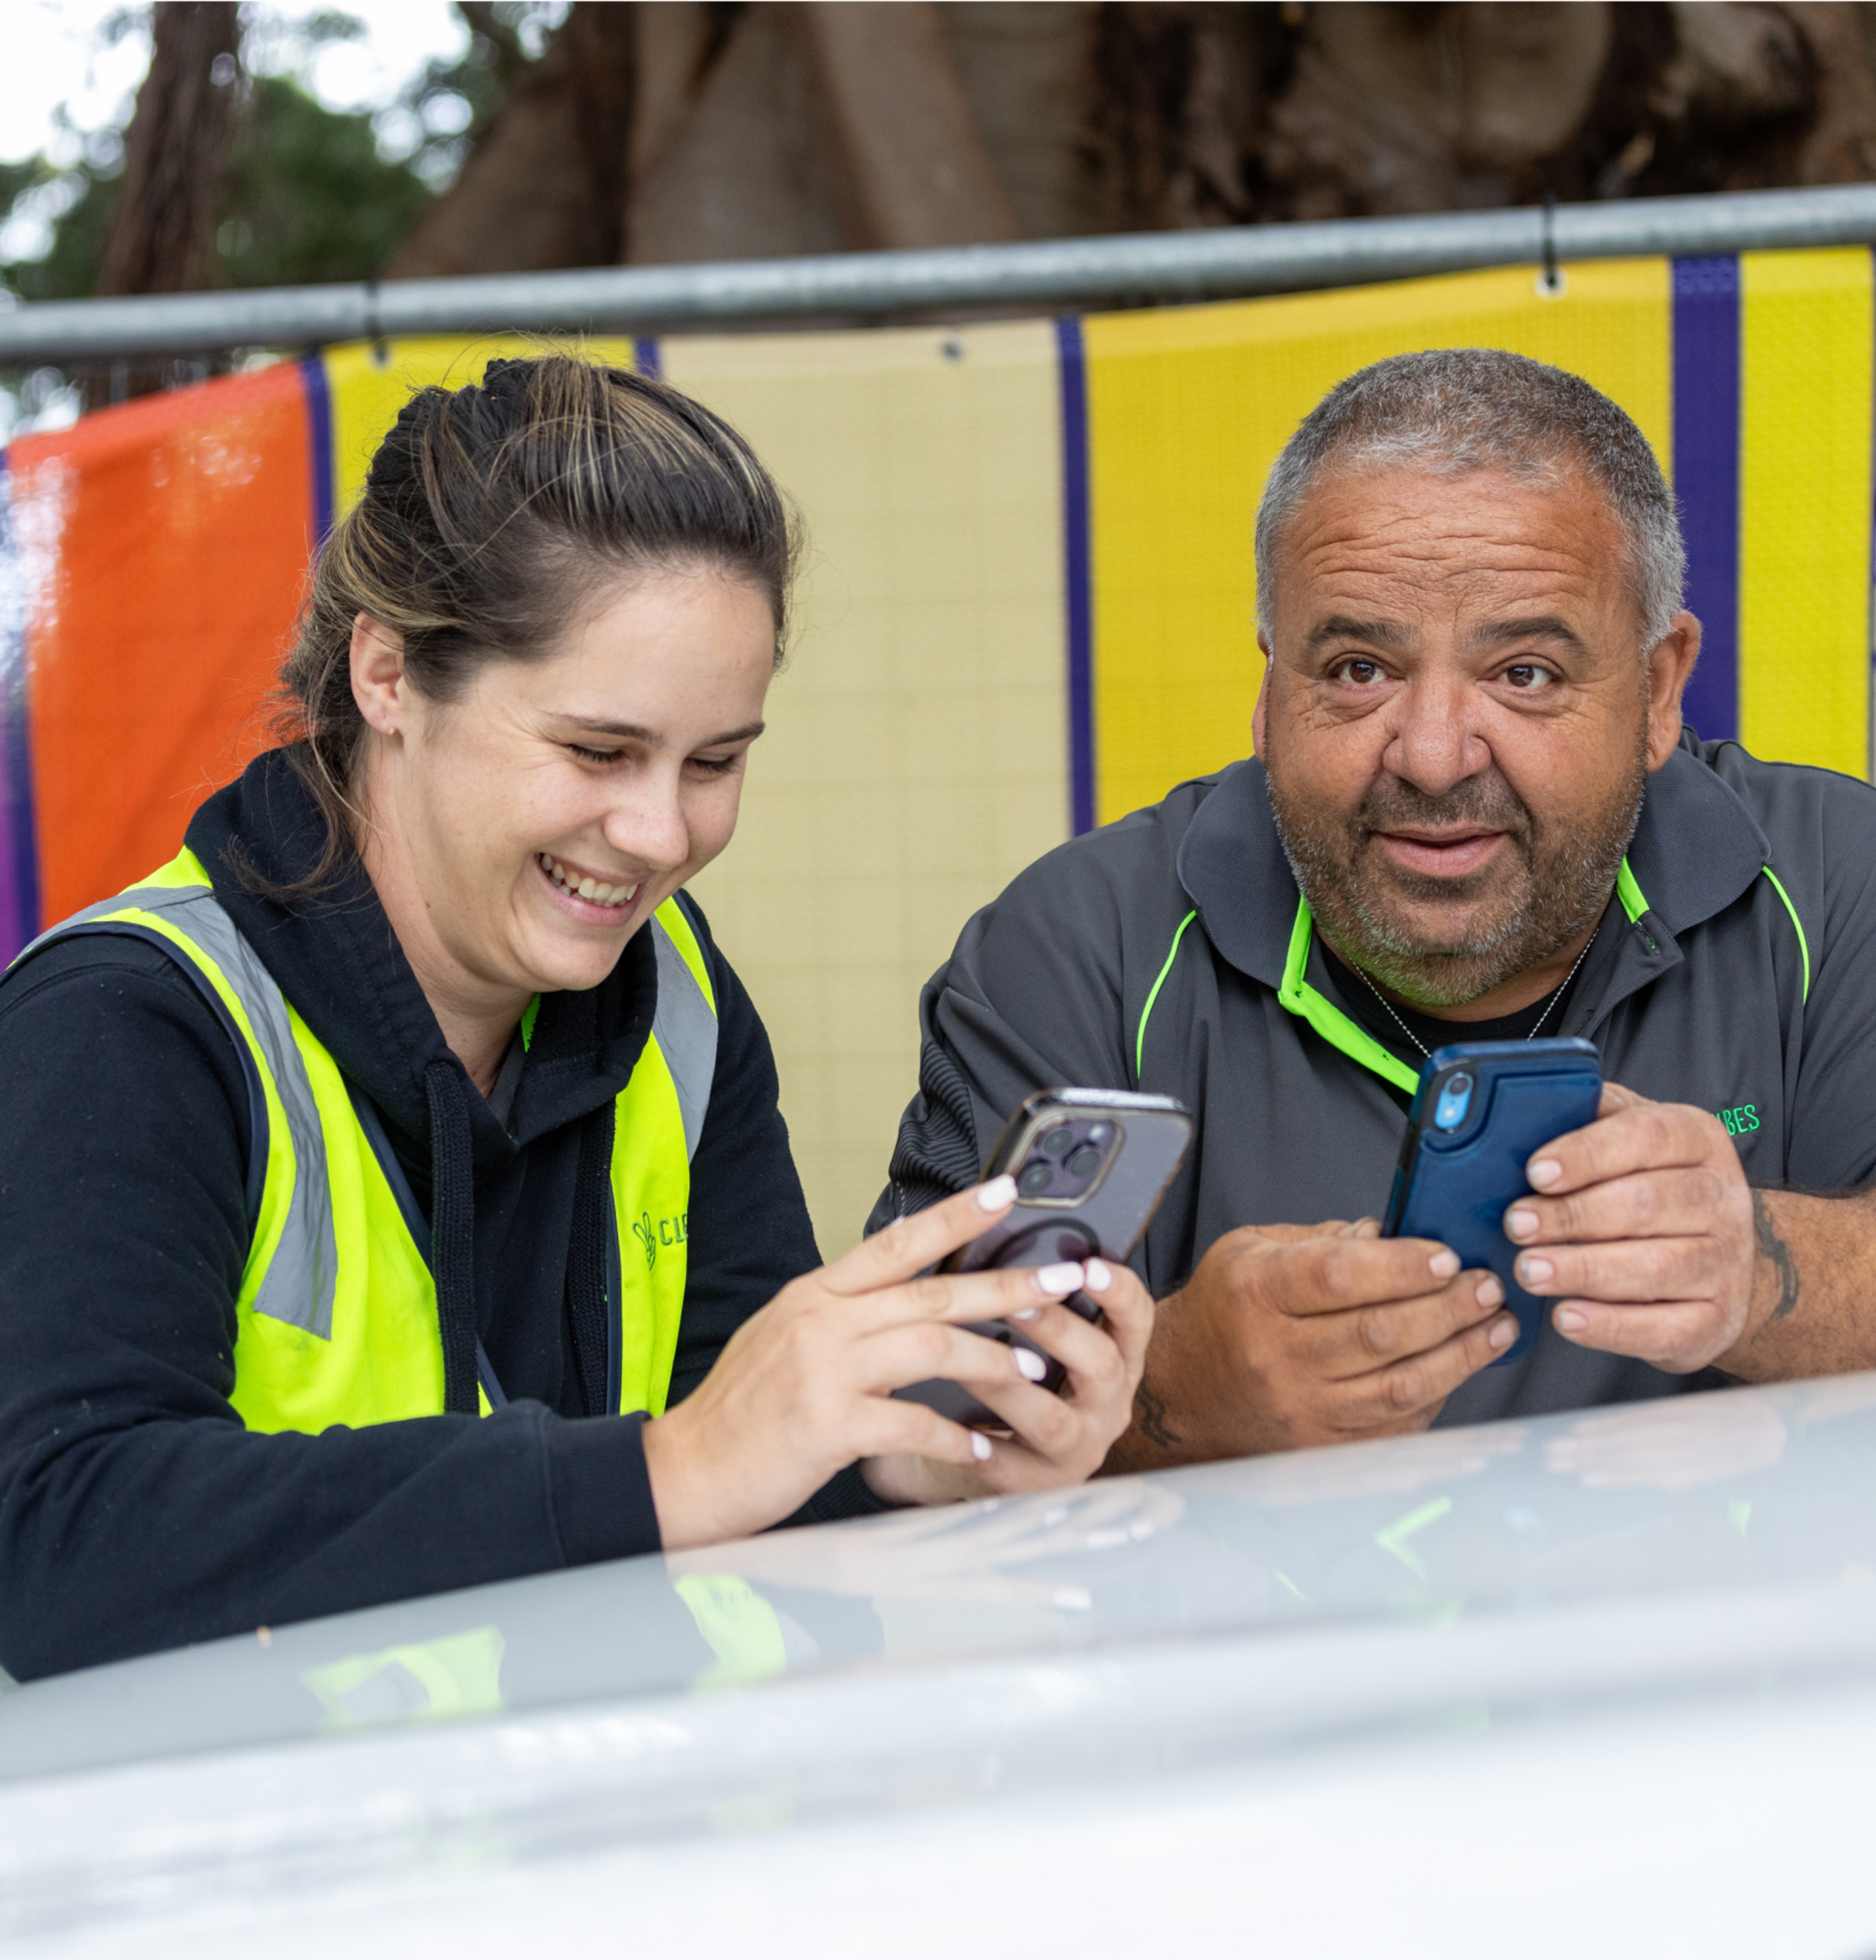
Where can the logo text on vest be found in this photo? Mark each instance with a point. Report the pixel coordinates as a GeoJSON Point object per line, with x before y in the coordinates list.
{"type": "Point", "coordinates": [672, 1231]}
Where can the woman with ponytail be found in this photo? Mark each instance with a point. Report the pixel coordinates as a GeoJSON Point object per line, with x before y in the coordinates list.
{"type": "Point", "coordinates": [393, 1196]}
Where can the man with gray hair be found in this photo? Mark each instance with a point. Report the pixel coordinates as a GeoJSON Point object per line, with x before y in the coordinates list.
{"type": "Point", "coordinates": [1473, 814]}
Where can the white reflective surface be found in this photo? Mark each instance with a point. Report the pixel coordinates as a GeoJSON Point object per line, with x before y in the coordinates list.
{"type": "Point", "coordinates": [1604, 1683]}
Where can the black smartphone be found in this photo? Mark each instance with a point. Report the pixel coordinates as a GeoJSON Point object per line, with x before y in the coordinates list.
{"type": "Point", "coordinates": [1481, 1111]}
{"type": "Point", "coordinates": [1091, 1166]}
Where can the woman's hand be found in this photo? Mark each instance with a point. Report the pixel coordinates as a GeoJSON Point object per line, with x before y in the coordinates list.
{"type": "Point", "coordinates": [1052, 1438]}
{"type": "Point", "coordinates": [804, 1388]}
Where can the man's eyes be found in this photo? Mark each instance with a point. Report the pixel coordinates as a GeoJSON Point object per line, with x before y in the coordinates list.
{"type": "Point", "coordinates": [1523, 677]}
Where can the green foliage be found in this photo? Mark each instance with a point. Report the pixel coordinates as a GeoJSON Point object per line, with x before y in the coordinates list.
{"type": "Point", "coordinates": [310, 197]}
{"type": "Point", "coordinates": [88, 196]}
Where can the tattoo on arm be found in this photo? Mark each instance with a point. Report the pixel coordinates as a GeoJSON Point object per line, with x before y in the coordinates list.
{"type": "Point", "coordinates": [1150, 1414]}
{"type": "Point", "coordinates": [1771, 1247]}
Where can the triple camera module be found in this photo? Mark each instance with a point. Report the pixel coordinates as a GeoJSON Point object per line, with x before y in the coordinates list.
{"type": "Point", "coordinates": [1066, 1162]}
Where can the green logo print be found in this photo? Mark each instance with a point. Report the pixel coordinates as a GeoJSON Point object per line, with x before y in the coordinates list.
{"type": "Point", "coordinates": [671, 1231]}
{"type": "Point", "coordinates": [1741, 1121]}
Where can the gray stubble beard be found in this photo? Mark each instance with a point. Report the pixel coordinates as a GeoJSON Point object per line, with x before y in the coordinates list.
{"type": "Point", "coordinates": [1565, 887]}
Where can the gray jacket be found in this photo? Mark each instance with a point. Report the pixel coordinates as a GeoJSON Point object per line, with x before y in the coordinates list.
{"type": "Point", "coordinates": [1171, 951]}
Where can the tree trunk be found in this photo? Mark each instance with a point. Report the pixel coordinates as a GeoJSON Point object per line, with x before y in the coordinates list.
{"type": "Point", "coordinates": [176, 152]}
{"type": "Point", "coordinates": [732, 170]}
{"type": "Point", "coordinates": [701, 129]}
{"type": "Point", "coordinates": [545, 184]}
{"type": "Point", "coordinates": [908, 163]}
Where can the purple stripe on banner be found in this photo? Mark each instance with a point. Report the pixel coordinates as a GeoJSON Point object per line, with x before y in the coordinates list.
{"type": "Point", "coordinates": [19, 841]}
{"type": "Point", "coordinates": [318, 424]}
{"type": "Point", "coordinates": [1706, 480]}
{"type": "Point", "coordinates": [649, 361]}
{"type": "Point", "coordinates": [1078, 568]}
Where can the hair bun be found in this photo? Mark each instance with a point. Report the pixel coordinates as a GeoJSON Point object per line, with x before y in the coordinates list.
{"type": "Point", "coordinates": [395, 461]}
{"type": "Point", "coordinates": [506, 382]}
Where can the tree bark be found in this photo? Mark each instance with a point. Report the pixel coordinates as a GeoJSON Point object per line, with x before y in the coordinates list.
{"type": "Point", "coordinates": [738, 173]}
{"type": "Point", "coordinates": [176, 152]}
{"type": "Point", "coordinates": [702, 129]}
{"type": "Point", "coordinates": [907, 159]}
{"type": "Point", "coordinates": [1403, 109]}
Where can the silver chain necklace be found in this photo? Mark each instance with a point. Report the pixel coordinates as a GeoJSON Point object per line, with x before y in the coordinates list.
{"type": "Point", "coordinates": [1556, 994]}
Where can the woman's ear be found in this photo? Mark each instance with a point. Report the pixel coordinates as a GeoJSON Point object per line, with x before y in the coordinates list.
{"type": "Point", "coordinates": [377, 674]}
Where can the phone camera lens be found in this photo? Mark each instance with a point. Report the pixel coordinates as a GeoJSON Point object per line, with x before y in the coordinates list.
{"type": "Point", "coordinates": [1086, 1162]}
{"type": "Point", "coordinates": [1036, 1179]}
{"type": "Point", "coordinates": [1059, 1142]}
{"type": "Point", "coordinates": [1454, 1100]}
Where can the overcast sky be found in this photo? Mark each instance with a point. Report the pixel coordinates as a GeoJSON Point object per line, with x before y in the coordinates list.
{"type": "Point", "coordinates": [54, 56]}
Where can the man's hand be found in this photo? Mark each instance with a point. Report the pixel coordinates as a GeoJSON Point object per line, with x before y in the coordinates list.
{"type": "Point", "coordinates": [1288, 1336]}
{"type": "Point", "coordinates": [1643, 1232]}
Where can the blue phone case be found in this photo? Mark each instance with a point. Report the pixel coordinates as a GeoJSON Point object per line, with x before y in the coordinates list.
{"type": "Point", "coordinates": [1483, 1109]}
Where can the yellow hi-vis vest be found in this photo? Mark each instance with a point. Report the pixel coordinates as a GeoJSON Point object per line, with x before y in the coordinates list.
{"type": "Point", "coordinates": [337, 1313]}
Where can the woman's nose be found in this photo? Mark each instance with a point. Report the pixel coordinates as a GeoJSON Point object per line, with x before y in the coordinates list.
{"type": "Point", "coordinates": [648, 827]}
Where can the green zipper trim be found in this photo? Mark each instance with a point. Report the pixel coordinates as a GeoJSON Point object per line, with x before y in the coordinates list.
{"type": "Point", "coordinates": [1630, 892]}
{"type": "Point", "coordinates": [1328, 1020]}
{"type": "Point", "coordinates": [1139, 1036]}
{"type": "Point", "coordinates": [1804, 944]}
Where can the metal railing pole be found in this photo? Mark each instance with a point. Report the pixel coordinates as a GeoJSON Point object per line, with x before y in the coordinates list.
{"type": "Point", "coordinates": [1055, 274]}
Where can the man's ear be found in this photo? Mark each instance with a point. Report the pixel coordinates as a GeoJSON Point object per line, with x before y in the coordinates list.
{"type": "Point", "coordinates": [377, 674]}
{"type": "Point", "coordinates": [1260, 717]}
{"type": "Point", "coordinates": [1669, 665]}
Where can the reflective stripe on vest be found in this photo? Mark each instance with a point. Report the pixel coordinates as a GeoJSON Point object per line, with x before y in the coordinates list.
{"type": "Point", "coordinates": [337, 1313]}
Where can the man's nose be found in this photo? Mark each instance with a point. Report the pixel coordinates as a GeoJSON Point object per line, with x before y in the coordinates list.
{"type": "Point", "coordinates": [1432, 743]}
{"type": "Point", "coordinates": [647, 824]}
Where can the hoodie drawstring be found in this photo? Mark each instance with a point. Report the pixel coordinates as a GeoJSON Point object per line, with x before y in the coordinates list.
{"type": "Point", "coordinates": [452, 1232]}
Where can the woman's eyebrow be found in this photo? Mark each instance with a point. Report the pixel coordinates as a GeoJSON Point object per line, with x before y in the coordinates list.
{"type": "Point", "coordinates": [631, 731]}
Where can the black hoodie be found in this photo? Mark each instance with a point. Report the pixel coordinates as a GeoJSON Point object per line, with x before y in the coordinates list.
{"type": "Point", "coordinates": [136, 1511]}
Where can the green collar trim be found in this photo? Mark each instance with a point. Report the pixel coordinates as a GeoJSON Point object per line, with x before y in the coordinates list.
{"type": "Point", "coordinates": [1630, 892]}
{"type": "Point", "coordinates": [1354, 1041]}
{"type": "Point", "coordinates": [1797, 925]}
{"type": "Point", "coordinates": [1301, 999]}
{"type": "Point", "coordinates": [1139, 1033]}
{"type": "Point", "coordinates": [530, 1014]}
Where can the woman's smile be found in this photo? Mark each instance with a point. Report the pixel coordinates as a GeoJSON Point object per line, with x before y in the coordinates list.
{"type": "Point", "coordinates": [589, 898]}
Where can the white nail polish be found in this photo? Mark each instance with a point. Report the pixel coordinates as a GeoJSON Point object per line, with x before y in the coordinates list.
{"type": "Point", "coordinates": [1064, 1278]}
{"type": "Point", "coordinates": [980, 1446]}
{"type": "Point", "coordinates": [1030, 1365]}
{"type": "Point", "coordinates": [999, 1192]}
{"type": "Point", "coordinates": [1100, 1275]}
{"type": "Point", "coordinates": [1026, 1313]}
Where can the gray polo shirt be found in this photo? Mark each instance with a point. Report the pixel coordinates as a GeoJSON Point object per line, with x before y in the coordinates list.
{"type": "Point", "coordinates": [1735, 970]}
